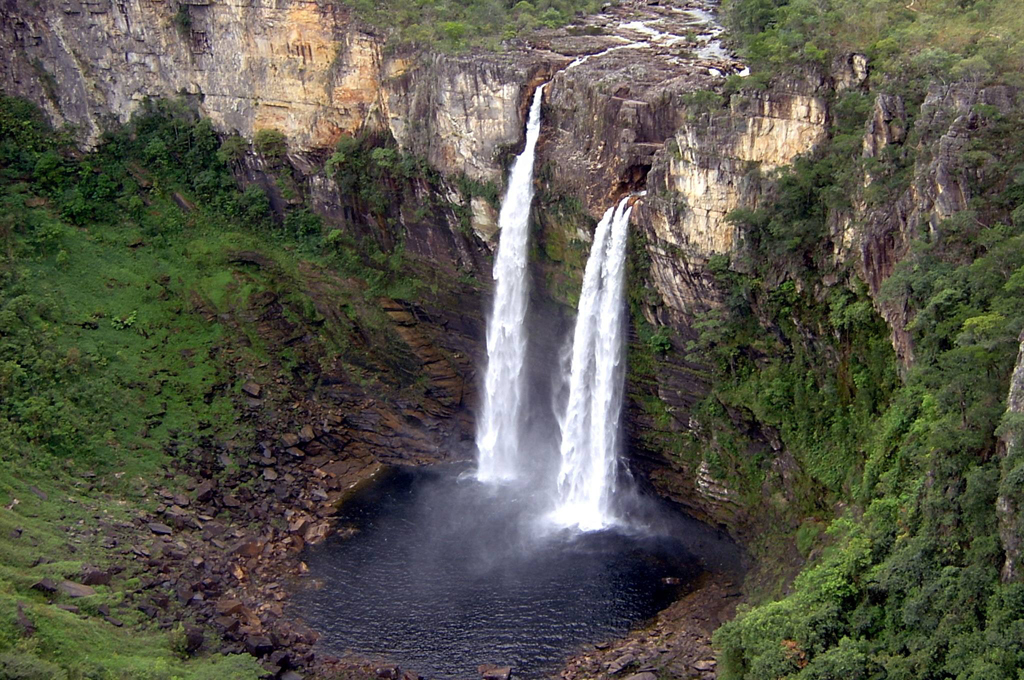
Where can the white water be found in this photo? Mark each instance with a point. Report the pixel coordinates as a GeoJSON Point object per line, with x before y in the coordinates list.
{"type": "Point", "coordinates": [497, 437]}
{"type": "Point", "coordinates": [590, 427]}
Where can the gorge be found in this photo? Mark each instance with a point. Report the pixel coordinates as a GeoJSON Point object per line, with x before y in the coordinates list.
{"type": "Point", "coordinates": [247, 334]}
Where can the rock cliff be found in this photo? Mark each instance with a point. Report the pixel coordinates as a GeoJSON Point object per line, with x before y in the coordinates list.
{"type": "Point", "coordinates": [637, 100]}
{"type": "Point", "coordinates": [1008, 505]}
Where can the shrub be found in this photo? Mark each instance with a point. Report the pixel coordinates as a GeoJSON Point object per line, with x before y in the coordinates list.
{"type": "Point", "coordinates": [270, 144]}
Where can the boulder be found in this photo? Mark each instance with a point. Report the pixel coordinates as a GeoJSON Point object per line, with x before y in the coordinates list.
{"type": "Point", "coordinates": [45, 585]}
{"type": "Point", "coordinates": [492, 672]}
{"type": "Point", "coordinates": [193, 639]}
{"type": "Point", "coordinates": [620, 663]}
{"type": "Point", "coordinates": [227, 606]}
{"type": "Point", "coordinates": [72, 589]}
{"type": "Point", "coordinates": [28, 628]}
{"type": "Point", "coordinates": [250, 547]}
{"type": "Point", "coordinates": [95, 577]}
{"type": "Point", "coordinates": [204, 491]}
{"type": "Point", "coordinates": [258, 645]}
{"type": "Point", "coordinates": [160, 529]}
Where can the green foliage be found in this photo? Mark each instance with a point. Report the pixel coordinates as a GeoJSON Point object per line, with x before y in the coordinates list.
{"type": "Point", "coordinates": [907, 584]}
{"type": "Point", "coordinates": [182, 20]}
{"type": "Point", "coordinates": [947, 38]}
{"type": "Point", "coordinates": [453, 25]}
{"type": "Point", "coordinates": [232, 149]}
{"type": "Point", "coordinates": [269, 143]}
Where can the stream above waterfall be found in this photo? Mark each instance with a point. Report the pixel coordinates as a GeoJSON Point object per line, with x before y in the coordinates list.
{"type": "Point", "coordinates": [438, 573]}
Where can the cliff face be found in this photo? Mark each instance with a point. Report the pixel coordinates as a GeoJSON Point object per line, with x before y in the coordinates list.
{"type": "Point", "coordinates": [627, 109]}
{"type": "Point", "coordinates": [875, 237]}
{"type": "Point", "coordinates": [307, 69]}
{"type": "Point", "coordinates": [617, 119]}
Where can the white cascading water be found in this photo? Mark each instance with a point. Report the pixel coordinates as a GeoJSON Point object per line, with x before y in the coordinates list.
{"type": "Point", "coordinates": [497, 436]}
{"type": "Point", "coordinates": [590, 426]}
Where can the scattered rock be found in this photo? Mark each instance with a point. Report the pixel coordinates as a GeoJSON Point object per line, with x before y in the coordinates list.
{"type": "Point", "coordinates": [117, 623]}
{"type": "Point", "coordinates": [290, 439]}
{"type": "Point", "coordinates": [705, 665]}
{"type": "Point", "coordinates": [72, 589]}
{"type": "Point", "coordinates": [643, 676]}
{"type": "Point", "coordinates": [388, 672]}
{"type": "Point", "coordinates": [306, 434]}
{"type": "Point", "coordinates": [41, 495]}
{"type": "Point", "coordinates": [252, 389]}
{"type": "Point", "coordinates": [290, 675]}
{"type": "Point", "coordinates": [70, 608]}
{"type": "Point", "coordinates": [159, 529]}
{"type": "Point", "coordinates": [270, 474]}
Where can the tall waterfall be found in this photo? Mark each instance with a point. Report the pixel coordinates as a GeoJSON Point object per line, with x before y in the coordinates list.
{"type": "Point", "coordinates": [497, 437]}
{"type": "Point", "coordinates": [590, 427]}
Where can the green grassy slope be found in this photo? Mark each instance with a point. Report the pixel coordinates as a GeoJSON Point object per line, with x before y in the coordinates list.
{"type": "Point", "coordinates": [118, 273]}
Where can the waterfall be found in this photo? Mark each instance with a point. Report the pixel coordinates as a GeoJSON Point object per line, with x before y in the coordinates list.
{"type": "Point", "coordinates": [497, 437]}
{"type": "Point", "coordinates": [590, 426]}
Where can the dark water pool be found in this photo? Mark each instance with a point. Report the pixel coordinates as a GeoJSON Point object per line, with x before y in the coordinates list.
{"type": "Point", "coordinates": [445, 574]}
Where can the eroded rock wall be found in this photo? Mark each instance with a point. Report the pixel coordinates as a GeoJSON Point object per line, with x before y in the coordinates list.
{"type": "Point", "coordinates": [308, 69]}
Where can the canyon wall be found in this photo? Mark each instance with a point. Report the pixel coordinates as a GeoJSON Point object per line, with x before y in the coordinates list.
{"type": "Point", "coordinates": [642, 112]}
{"type": "Point", "coordinates": [308, 69]}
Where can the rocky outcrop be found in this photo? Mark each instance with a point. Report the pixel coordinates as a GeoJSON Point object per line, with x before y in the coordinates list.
{"type": "Point", "coordinates": [713, 164]}
{"type": "Point", "coordinates": [877, 236]}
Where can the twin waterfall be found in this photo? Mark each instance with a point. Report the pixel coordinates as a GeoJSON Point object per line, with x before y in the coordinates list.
{"type": "Point", "coordinates": [590, 422]}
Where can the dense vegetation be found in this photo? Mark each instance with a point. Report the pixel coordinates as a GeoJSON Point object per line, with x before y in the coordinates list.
{"type": "Point", "coordinates": [900, 466]}
{"type": "Point", "coordinates": [455, 25]}
{"type": "Point", "coordinates": [976, 39]}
